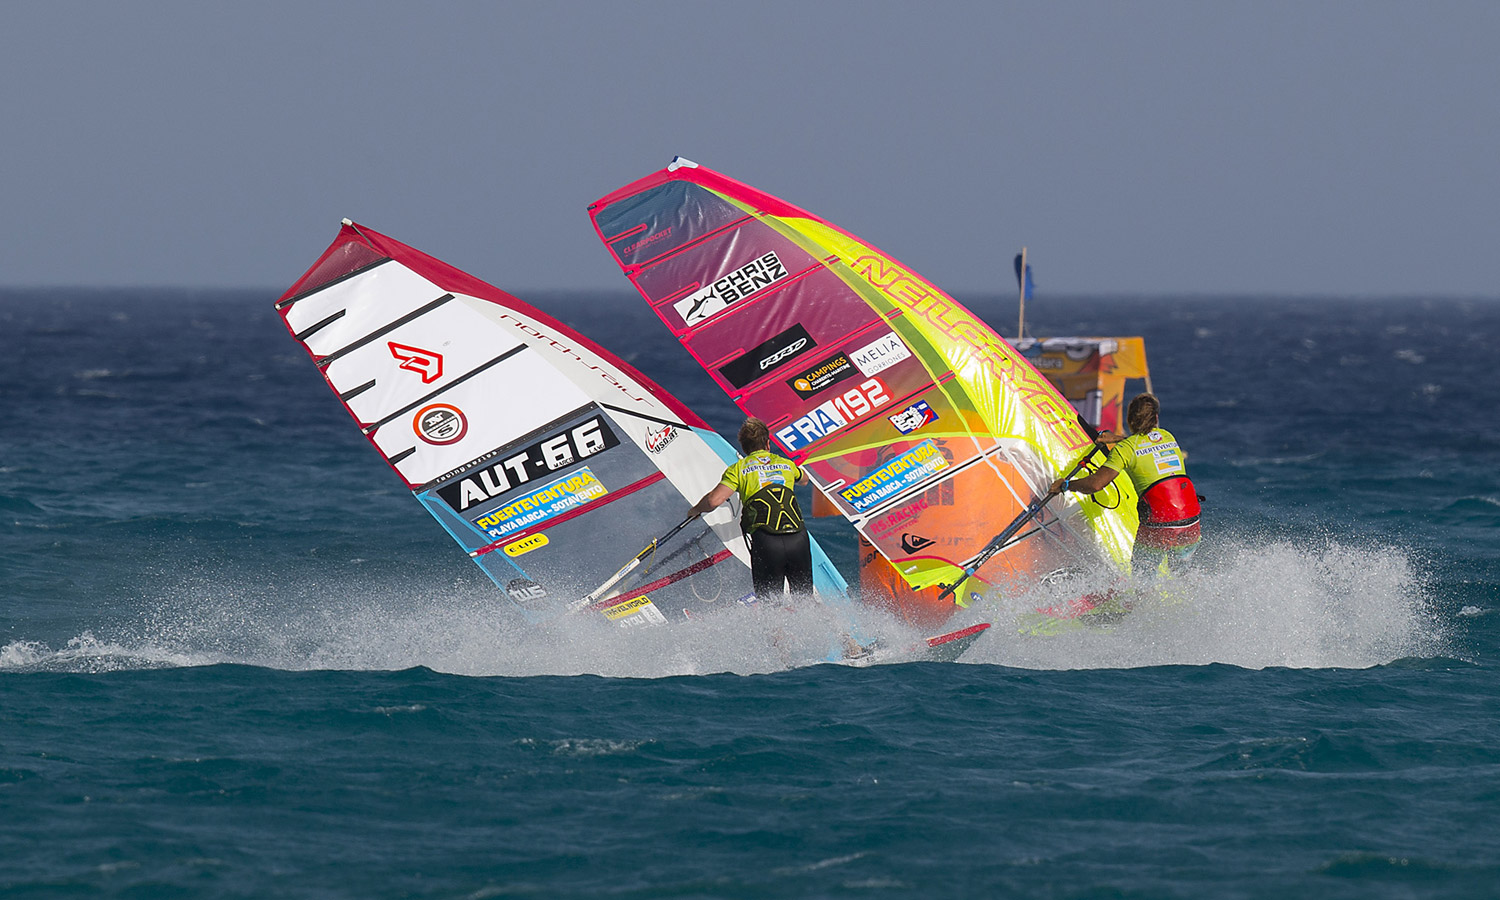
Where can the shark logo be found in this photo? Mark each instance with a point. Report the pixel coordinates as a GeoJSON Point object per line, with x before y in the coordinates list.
{"type": "Point", "coordinates": [425, 363]}
{"type": "Point", "coordinates": [914, 543]}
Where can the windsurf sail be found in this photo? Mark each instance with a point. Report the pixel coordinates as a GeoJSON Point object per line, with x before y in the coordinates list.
{"type": "Point", "coordinates": [542, 454]}
{"type": "Point", "coordinates": [922, 425]}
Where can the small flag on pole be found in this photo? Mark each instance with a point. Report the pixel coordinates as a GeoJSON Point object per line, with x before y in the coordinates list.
{"type": "Point", "coordinates": [1024, 282]}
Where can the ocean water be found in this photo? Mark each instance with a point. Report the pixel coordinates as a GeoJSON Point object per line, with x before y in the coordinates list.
{"type": "Point", "coordinates": [238, 660]}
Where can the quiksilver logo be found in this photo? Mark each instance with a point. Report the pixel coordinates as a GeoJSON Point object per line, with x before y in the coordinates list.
{"type": "Point", "coordinates": [913, 543]}
{"type": "Point", "coordinates": [781, 354]}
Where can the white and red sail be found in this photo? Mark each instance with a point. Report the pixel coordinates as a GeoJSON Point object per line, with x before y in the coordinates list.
{"type": "Point", "coordinates": [546, 457]}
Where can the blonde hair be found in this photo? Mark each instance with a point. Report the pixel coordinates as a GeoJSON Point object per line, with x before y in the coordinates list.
{"type": "Point", "coordinates": [754, 435]}
{"type": "Point", "coordinates": [1144, 413]}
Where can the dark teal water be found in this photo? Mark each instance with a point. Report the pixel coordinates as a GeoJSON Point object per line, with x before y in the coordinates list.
{"type": "Point", "coordinates": [238, 660]}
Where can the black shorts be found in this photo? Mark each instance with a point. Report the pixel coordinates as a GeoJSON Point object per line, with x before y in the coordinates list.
{"type": "Point", "coordinates": [774, 557]}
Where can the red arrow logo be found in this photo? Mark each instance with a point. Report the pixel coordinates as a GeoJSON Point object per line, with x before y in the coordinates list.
{"type": "Point", "coordinates": [414, 359]}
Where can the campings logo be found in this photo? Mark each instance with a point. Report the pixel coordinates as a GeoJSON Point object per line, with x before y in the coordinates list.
{"type": "Point", "coordinates": [767, 355]}
{"type": "Point", "coordinates": [824, 375]}
{"type": "Point", "coordinates": [440, 423]}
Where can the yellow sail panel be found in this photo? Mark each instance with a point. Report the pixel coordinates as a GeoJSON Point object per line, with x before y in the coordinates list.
{"type": "Point", "coordinates": [1011, 397]}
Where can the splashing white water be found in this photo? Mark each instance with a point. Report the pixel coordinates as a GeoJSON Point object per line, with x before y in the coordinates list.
{"type": "Point", "coordinates": [1256, 606]}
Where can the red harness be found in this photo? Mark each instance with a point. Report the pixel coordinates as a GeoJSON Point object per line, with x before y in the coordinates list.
{"type": "Point", "coordinates": [1169, 513]}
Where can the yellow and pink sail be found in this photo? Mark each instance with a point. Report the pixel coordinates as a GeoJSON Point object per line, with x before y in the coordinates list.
{"type": "Point", "coordinates": [916, 419]}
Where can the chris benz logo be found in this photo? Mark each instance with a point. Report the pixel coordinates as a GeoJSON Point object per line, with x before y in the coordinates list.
{"type": "Point", "coordinates": [758, 273]}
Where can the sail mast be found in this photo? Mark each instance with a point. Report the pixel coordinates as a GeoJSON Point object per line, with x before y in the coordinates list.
{"type": "Point", "coordinates": [1021, 280]}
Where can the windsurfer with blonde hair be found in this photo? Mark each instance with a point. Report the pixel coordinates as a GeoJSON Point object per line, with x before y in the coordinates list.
{"type": "Point", "coordinates": [1150, 456]}
{"type": "Point", "coordinates": [780, 550]}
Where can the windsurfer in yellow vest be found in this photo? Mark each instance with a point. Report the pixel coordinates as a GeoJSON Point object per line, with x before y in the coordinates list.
{"type": "Point", "coordinates": [780, 550]}
{"type": "Point", "coordinates": [1169, 529]}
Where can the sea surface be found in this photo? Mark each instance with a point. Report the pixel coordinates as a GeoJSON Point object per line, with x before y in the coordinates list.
{"type": "Point", "coordinates": [237, 659]}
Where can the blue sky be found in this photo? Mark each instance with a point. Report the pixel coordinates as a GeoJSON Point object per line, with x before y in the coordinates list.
{"type": "Point", "coordinates": [1148, 148]}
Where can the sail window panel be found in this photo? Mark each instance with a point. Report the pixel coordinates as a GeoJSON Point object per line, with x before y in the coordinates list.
{"type": "Point", "coordinates": [570, 563]}
{"type": "Point", "coordinates": [950, 522]}
{"type": "Point", "coordinates": [419, 357]}
{"type": "Point", "coordinates": [359, 306]}
{"type": "Point", "coordinates": [866, 478]}
{"type": "Point", "coordinates": [657, 221]}
{"type": "Point", "coordinates": [720, 272]}
{"type": "Point", "coordinates": [473, 417]}
{"type": "Point", "coordinates": [820, 304]}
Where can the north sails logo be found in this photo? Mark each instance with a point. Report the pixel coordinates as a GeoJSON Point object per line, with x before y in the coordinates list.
{"type": "Point", "coordinates": [425, 363]}
{"type": "Point", "coordinates": [440, 423]}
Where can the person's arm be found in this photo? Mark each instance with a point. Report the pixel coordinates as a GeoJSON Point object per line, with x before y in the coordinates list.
{"type": "Point", "coordinates": [712, 500]}
{"type": "Point", "coordinates": [1087, 484]}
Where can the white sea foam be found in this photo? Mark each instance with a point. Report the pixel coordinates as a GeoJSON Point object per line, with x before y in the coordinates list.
{"type": "Point", "coordinates": [86, 653]}
{"type": "Point", "coordinates": [463, 630]}
{"type": "Point", "coordinates": [1254, 604]}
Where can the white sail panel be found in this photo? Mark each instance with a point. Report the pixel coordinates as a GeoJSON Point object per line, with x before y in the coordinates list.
{"type": "Point", "coordinates": [341, 313]}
